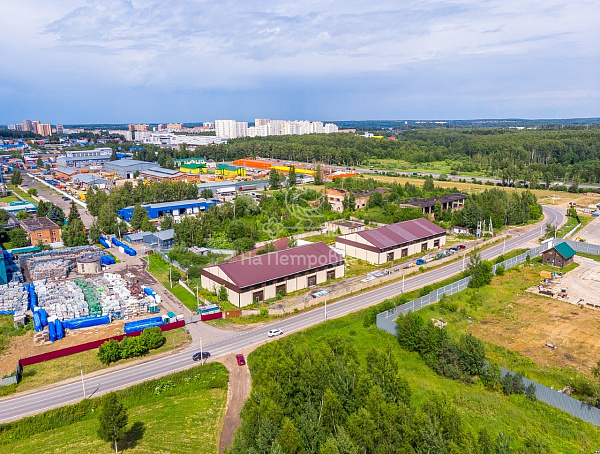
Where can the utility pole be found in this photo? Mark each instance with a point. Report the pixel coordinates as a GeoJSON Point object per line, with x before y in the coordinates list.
{"type": "Point", "coordinates": [464, 254]}
{"type": "Point", "coordinates": [325, 309]}
{"type": "Point", "coordinates": [170, 279]}
{"type": "Point", "coordinates": [504, 246]}
{"type": "Point", "coordinates": [402, 280]}
{"type": "Point", "coordinates": [82, 384]}
{"type": "Point", "coordinates": [201, 353]}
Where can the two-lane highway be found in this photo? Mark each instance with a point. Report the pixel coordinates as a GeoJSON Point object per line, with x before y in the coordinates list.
{"type": "Point", "coordinates": [19, 406]}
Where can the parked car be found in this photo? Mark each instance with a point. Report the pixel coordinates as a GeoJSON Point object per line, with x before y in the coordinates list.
{"type": "Point", "coordinates": [66, 198]}
{"type": "Point", "coordinates": [460, 247]}
{"type": "Point", "coordinates": [240, 360]}
{"type": "Point", "coordinates": [275, 332]}
{"type": "Point", "coordinates": [453, 249]}
{"type": "Point", "coordinates": [320, 293]}
{"type": "Point", "coordinates": [420, 262]}
{"type": "Point", "coordinates": [201, 355]}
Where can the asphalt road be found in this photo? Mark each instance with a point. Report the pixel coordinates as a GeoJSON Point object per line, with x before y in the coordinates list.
{"type": "Point", "coordinates": [23, 405]}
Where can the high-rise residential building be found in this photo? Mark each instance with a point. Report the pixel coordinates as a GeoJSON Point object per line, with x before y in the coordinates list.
{"type": "Point", "coordinates": [316, 127]}
{"type": "Point", "coordinates": [34, 126]}
{"type": "Point", "coordinates": [160, 127]}
{"type": "Point", "coordinates": [241, 128]}
{"type": "Point", "coordinates": [330, 127]}
{"type": "Point", "coordinates": [209, 124]}
{"type": "Point", "coordinates": [60, 129]}
{"type": "Point", "coordinates": [44, 129]}
{"type": "Point", "coordinates": [174, 125]}
{"type": "Point", "coordinates": [27, 125]}
{"type": "Point", "coordinates": [139, 127]}
{"type": "Point", "coordinates": [261, 121]}
{"type": "Point", "coordinates": [11, 127]}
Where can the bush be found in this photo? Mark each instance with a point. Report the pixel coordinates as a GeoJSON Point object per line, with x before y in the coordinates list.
{"type": "Point", "coordinates": [152, 338]}
{"type": "Point", "coordinates": [500, 270]}
{"type": "Point", "coordinates": [109, 352]}
{"type": "Point", "coordinates": [264, 311]}
{"type": "Point", "coordinates": [132, 347]}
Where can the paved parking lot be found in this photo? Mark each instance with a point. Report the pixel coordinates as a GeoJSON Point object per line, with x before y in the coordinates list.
{"type": "Point", "coordinates": [591, 232]}
{"type": "Point", "coordinates": [54, 197]}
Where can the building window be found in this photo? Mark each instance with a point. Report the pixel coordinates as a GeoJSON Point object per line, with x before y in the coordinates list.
{"type": "Point", "coordinates": [39, 235]}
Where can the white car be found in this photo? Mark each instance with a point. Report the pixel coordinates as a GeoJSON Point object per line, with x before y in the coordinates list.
{"type": "Point", "coordinates": [275, 332]}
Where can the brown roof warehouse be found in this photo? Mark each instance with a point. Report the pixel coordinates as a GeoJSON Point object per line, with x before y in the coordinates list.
{"type": "Point", "coordinates": [262, 277]}
{"type": "Point", "coordinates": [41, 229]}
{"type": "Point", "coordinates": [393, 241]}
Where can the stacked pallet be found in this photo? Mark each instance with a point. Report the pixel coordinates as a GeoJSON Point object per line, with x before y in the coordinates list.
{"type": "Point", "coordinates": [12, 297]}
{"type": "Point", "coordinates": [51, 269]}
{"type": "Point", "coordinates": [65, 299]}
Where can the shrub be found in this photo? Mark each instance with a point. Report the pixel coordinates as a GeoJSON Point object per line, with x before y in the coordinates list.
{"type": "Point", "coordinates": [175, 275]}
{"type": "Point", "coordinates": [500, 270]}
{"type": "Point", "coordinates": [152, 338]}
{"type": "Point", "coordinates": [264, 311]}
{"type": "Point", "coordinates": [109, 352]}
{"type": "Point", "coordinates": [132, 347]}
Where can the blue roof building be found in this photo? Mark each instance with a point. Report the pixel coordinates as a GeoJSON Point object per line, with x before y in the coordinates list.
{"type": "Point", "coordinates": [173, 209]}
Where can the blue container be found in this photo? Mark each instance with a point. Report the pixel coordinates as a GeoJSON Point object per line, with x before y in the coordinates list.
{"type": "Point", "coordinates": [43, 317]}
{"type": "Point", "coordinates": [37, 325]}
{"type": "Point", "coordinates": [60, 331]}
{"type": "Point", "coordinates": [52, 331]}
{"type": "Point", "coordinates": [86, 322]}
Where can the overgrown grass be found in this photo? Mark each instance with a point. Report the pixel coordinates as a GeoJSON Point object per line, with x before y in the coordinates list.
{"type": "Point", "coordinates": [22, 193]}
{"type": "Point", "coordinates": [514, 415]}
{"type": "Point", "coordinates": [185, 417]}
{"type": "Point", "coordinates": [59, 369]}
{"type": "Point", "coordinates": [8, 331]}
{"type": "Point", "coordinates": [160, 270]}
{"type": "Point", "coordinates": [589, 256]}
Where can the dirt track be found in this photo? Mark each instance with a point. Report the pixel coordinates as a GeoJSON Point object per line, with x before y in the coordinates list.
{"type": "Point", "coordinates": [237, 392]}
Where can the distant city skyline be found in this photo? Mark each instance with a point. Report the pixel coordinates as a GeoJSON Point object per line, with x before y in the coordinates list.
{"type": "Point", "coordinates": [119, 61]}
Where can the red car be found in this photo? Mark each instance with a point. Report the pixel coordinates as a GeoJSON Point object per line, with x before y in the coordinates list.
{"type": "Point", "coordinates": [240, 360]}
{"type": "Point", "coordinates": [461, 247]}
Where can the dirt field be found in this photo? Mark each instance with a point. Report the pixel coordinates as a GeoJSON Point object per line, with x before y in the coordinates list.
{"type": "Point", "coordinates": [530, 320]}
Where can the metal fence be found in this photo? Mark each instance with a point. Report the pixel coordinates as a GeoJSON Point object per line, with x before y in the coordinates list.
{"type": "Point", "coordinates": [168, 260]}
{"type": "Point", "coordinates": [386, 321]}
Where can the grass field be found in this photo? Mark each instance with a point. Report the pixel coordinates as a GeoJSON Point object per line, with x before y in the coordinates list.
{"type": "Point", "coordinates": [9, 198]}
{"type": "Point", "coordinates": [184, 419]}
{"type": "Point", "coordinates": [160, 270]}
{"type": "Point", "coordinates": [514, 415]}
{"type": "Point", "coordinates": [53, 371]}
{"type": "Point", "coordinates": [516, 326]}
{"type": "Point", "coordinates": [22, 193]}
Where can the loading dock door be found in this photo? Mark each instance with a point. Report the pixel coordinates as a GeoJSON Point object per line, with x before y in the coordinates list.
{"type": "Point", "coordinates": [312, 280]}
{"type": "Point", "coordinates": [259, 296]}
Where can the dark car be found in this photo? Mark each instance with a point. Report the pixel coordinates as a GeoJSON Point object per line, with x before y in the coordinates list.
{"type": "Point", "coordinates": [240, 360]}
{"type": "Point", "coordinates": [461, 247]}
{"type": "Point", "coordinates": [201, 355]}
{"type": "Point", "coordinates": [66, 198]}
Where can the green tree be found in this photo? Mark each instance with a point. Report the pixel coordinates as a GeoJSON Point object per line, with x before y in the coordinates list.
{"type": "Point", "coordinates": [437, 211]}
{"type": "Point", "coordinates": [107, 219]}
{"type": "Point", "coordinates": [74, 234]}
{"type": "Point", "coordinates": [39, 163]}
{"type": "Point", "coordinates": [18, 238]}
{"type": "Point", "coordinates": [152, 338]}
{"type": "Point", "coordinates": [206, 193]}
{"type": "Point", "coordinates": [166, 223]}
{"type": "Point", "coordinates": [94, 232]}
{"type": "Point", "coordinates": [318, 175]}
{"type": "Point", "coordinates": [112, 420]}
{"type": "Point", "coordinates": [32, 192]}
{"type": "Point", "coordinates": [428, 185]}
{"type": "Point", "coordinates": [175, 275]}
{"type": "Point", "coordinates": [471, 354]}
{"type": "Point", "coordinates": [23, 215]}
{"type": "Point", "coordinates": [274, 179]}
{"type": "Point", "coordinates": [56, 214]}
{"type": "Point", "coordinates": [109, 352]}
{"type": "Point", "coordinates": [113, 155]}
{"type": "Point", "coordinates": [43, 208]}
{"type": "Point", "coordinates": [3, 216]}
{"type": "Point", "coordinates": [375, 200]}
{"type": "Point", "coordinates": [73, 213]}
{"type": "Point", "coordinates": [289, 438]}
{"type": "Point", "coordinates": [292, 177]}
{"type": "Point", "coordinates": [42, 246]}
{"type": "Point", "coordinates": [223, 296]}
{"type": "Point", "coordinates": [16, 178]}
{"type": "Point", "coordinates": [140, 214]}
{"type": "Point", "coordinates": [479, 270]}
{"type": "Point", "coordinates": [245, 205]}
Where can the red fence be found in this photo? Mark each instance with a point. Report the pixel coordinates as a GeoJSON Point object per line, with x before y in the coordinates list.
{"type": "Point", "coordinates": [213, 316]}
{"type": "Point", "coordinates": [89, 345]}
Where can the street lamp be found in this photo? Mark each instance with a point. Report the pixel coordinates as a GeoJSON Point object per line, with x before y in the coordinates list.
{"type": "Point", "coordinates": [82, 384]}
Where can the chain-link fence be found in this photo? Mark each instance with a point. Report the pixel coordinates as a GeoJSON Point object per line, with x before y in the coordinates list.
{"type": "Point", "coordinates": [386, 321]}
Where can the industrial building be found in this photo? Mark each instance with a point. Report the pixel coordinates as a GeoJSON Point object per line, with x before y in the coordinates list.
{"type": "Point", "coordinates": [160, 174]}
{"type": "Point", "coordinates": [262, 277]}
{"type": "Point", "coordinates": [173, 209]}
{"type": "Point", "coordinates": [83, 161]}
{"type": "Point", "coordinates": [162, 240]}
{"type": "Point", "coordinates": [103, 151]}
{"type": "Point", "coordinates": [90, 180]}
{"type": "Point", "coordinates": [125, 168]}
{"type": "Point", "coordinates": [394, 241]}
{"type": "Point", "coordinates": [450, 202]}
{"type": "Point", "coordinates": [65, 172]}
{"type": "Point", "coordinates": [233, 186]}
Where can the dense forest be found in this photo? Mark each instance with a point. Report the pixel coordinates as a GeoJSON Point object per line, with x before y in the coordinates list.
{"type": "Point", "coordinates": [539, 156]}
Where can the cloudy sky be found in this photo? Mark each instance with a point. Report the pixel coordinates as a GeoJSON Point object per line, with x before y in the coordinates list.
{"type": "Point", "coordinates": [77, 61]}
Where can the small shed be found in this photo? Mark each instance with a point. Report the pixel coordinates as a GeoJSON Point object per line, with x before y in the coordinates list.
{"type": "Point", "coordinates": [560, 255]}
{"type": "Point", "coordinates": [88, 264]}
